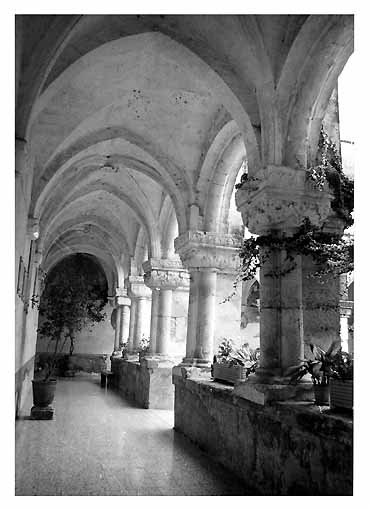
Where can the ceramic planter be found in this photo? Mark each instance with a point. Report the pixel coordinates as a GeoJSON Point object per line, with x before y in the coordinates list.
{"type": "Point", "coordinates": [321, 394]}
{"type": "Point", "coordinates": [229, 373]}
{"type": "Point", "coordinates": [341, 394]}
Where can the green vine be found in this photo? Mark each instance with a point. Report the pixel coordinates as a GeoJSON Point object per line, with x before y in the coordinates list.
{"type": "Point", "coordinates": [329, 169]}
{"type": "Point", "coordinates": [332, 253]}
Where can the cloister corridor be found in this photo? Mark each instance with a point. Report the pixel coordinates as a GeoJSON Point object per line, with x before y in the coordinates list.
{"type": "Point", "coordinates": [184, 226]}
{"type": "Point", "coordinates": [100, 445]}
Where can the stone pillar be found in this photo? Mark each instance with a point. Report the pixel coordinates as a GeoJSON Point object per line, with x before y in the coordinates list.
{"type": "Point", "coordinates": [163, 276]}
{"type": "Point", "coordinates": [164, 318]}
{"type": "Point", "coordinates": [141, 295]}
{"type": "Point", "coordinates": [154, 320]}
{"type": "Point", "coordinates": [122, 303]}
{"type": "Point", "coordinates": [276, 201]}
{"type": "Point", "coordinates": [117, 315]}
{"type": "Point", "coordinates": [192, 317]}
{"type": "Point", "coordinates": [140, 316]}
{"type": "Point", "coordinates": [204, 254]}
{"type": "Point", "coordinates": [126, 313]}
{"type": "Point", "coordinates": [207, 284]}
{"type": "Point", "coordinates": [132, 322]}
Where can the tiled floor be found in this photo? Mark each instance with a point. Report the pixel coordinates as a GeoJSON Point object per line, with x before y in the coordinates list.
{"type": "Point", "coordinates": [100, 445]}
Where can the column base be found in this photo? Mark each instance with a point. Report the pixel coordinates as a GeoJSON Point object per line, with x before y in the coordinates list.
{"type": "Point", "coordinates": [157, 360]}
{"type": "Point", "coordinates": [276, 376]}
{"type": "Point", "coordinates": [42, 413]}
{"type": "Point", "coordinates": [265, 393]}
{"type": "Point", "coordinates": [116, 354]}
{"type": "Point", "coordinates": [195, 362]}
{"type": "Point", "coordinates": [191, 372]}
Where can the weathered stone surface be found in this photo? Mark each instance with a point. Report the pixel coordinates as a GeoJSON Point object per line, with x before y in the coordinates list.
{"type": "Point", "coordinates": [288, 448]}
{"type": "Point", "coordinates": [144, 384]}
{"type": "Point", "coordinates": [204, 250]}
{"type": "Point", "coordinates": [165, 274]}
{"type": "Point", "coordinates": [279, 198]}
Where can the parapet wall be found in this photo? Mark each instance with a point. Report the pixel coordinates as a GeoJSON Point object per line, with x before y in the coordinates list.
{"type": "Point", "coordinates": [147, 387]}
{"type": "Point", "coordinates": [280, 449]}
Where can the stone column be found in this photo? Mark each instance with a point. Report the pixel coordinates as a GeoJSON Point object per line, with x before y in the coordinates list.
{"type": "Point", "coordinates": [192, 317]}
{"type": "Point", "coordinates": [140, 317]}
{"type": "Point", "coordinates": [207, 285]}
{"type": "Point", "coordinates": [126, 312]}
{"type": "Point", "coordinates": [276, 201]}
{"type": "Point", "coordinates": [117, 351]}
{"type": "Point", "coordinates": [204, 254]}
{"type": "Point", "coordinates": [164, 319]}
{"type": "Point", "coordinates": [141, 294]}
{"type": "Point", "coordinates": [122, 303]}
{"type": "Point", "coordinates": [154, 320]}
{"type": "Point", "coordinates": [132, 322]}
{"type": "Point", "coordinates": [163, 276]}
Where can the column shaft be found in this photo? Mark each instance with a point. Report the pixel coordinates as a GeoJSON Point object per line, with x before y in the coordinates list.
{"type": "Point", "coordinates": [207, 281]}
{"type": "Point", "coordinates": [154, 320]}
{"type": "Point", "coordinates": [125, 324]}
{"type": "Point", "coordinates": [164, 321]}
{"type": "Point", "coordinates": [281, 317]}
{"type": "Point", "coordinates": [321, 306]}
{"type": "Point", "coordinates": [132, 323]}
{"type": "Point", "coordinates": [192, 315]}
{"type": "Point", "coordinates": [117, 329]}
{"type": "Point", "coordinates": [140, 319]}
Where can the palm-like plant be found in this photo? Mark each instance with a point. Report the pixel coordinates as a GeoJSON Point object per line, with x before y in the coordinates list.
{"type": "Point", "coordinates": [244, 356]}
{"type": "Point", "coordinates": [320, 367]}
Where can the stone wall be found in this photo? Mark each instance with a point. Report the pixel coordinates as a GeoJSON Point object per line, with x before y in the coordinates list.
{"type": "Point", "coordinates": [147, 387]}
{"type": "Point", "coordinates": [281, 449]}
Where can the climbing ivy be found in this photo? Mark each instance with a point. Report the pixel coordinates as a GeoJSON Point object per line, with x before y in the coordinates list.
{"type": "Point", "coordinates": [332, 253]}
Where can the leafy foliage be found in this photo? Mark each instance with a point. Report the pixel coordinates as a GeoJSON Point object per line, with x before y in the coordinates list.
{"type": "Point", "coordinates": [69, 303]}
{"type": "Point", "coordinates": [332, 253]}
{"type": "Point", "coordinates": [320, 367]}
{"type": "Point", "coordinates": [244, 356]}
{"type": "Point", "coordinates": [343, 366]}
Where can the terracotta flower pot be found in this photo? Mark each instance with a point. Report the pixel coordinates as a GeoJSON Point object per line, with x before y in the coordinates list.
{"type": "Point", "coordinates": [229, 373]}
{"type": "Point", "coordinates": [43, 392]}
{"type": "Point", "coordinates": [321, 394]}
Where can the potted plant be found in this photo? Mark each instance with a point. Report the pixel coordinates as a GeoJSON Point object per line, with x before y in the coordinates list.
{"type": "Point", "coordinates": [234, 365]}
{"type": "Point", "coordinates": [143, 348]}
{"type": "Point", "coordinates": [68, 304]}
{"type": "Point", "coordinates": [320, 370]}
{"type": "Point", "coordinates": [341, 387]}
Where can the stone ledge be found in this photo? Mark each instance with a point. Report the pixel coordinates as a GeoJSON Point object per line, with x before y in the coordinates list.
{"type": "Point", "coordinates": [320, 420]}
{"type": "Point", "coordinates": [283, 448]}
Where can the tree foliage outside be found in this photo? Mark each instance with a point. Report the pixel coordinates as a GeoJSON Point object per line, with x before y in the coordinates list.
{"type": "Point", "coordinates": [71, 301]}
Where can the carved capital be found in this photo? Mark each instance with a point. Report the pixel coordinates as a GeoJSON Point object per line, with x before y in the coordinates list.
{"type": "Point", "coordinates": [137, 288]}
{"type": "Point", "coordinates": [279, 198]}
{"type": "Point", "coordinates": [165, 274]}
{"type": "Point", "coordinates": [122, 301]}
{"type": "Point", "coordinates": [209, 250]}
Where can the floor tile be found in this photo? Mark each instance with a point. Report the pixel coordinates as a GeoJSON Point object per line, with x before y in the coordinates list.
{"type": "Point", "coordinates": [98, 444]}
